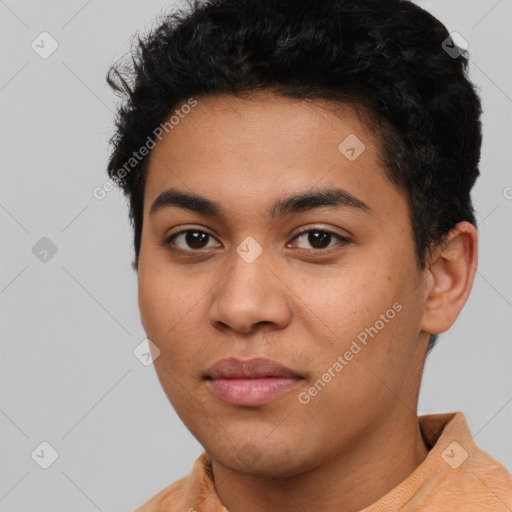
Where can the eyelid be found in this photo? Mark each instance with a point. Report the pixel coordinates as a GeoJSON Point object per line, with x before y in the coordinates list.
{"type": "Point", "coordinates": [326, 229]}
{"type": "Point", "coordinates": [342, 241]}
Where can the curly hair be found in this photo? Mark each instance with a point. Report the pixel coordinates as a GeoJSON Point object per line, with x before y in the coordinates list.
{"type": "Point", "coordinates": [387, 59]}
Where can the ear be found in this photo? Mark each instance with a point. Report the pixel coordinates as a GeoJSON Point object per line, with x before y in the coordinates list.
{"type": "Point", "coordinates": [450, 274]}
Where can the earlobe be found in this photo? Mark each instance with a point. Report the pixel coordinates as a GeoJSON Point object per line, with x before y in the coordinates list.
{"type": "Point", "coordinates": [451, 270]}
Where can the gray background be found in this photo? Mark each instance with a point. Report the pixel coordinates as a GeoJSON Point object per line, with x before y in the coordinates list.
{"type": "Point", "coordinates": [70, 325]}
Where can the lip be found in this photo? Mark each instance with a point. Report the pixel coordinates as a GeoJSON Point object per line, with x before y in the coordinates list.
{"type": "Point", "coordinates": [250, 382]}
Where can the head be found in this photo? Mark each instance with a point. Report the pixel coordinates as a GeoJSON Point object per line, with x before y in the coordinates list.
{"type": "Point", "coordinates": [244, 121]}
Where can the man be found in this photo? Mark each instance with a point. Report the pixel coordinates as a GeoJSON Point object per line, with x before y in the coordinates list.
{"type": "Point", "coordinates": [299, 178]}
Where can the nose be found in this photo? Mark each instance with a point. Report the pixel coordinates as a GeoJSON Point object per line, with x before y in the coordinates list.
{"type": "Point", "coordinates": [251, 295]}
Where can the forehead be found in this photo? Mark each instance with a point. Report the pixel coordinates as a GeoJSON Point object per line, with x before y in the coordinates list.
{"type": "Point", "coordinates": [257, 116]}
{"type": "Point", "coordinates": [245, 149]}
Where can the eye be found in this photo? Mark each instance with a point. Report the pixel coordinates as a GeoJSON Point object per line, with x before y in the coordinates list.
{"type": "Point", "coordinates": [320, 239]}
{"type": "Point", "coordinates": [194, 238]}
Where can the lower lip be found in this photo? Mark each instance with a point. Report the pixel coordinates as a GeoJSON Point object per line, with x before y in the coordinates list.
{"type": "Point", "coordinates": [251, 392]}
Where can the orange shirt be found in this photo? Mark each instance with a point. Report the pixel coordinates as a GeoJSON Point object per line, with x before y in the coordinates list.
{"type": "Point", "coordinates": [456, 476]}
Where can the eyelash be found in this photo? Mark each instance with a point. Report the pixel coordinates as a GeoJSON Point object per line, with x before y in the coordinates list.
{"type": "Point", "coordinates": [321, 252]}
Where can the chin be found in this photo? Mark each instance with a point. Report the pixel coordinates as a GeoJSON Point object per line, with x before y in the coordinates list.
{"type": "Point", "coordinates": [265, 461]}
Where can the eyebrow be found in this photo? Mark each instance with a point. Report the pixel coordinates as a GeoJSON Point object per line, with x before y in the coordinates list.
{"type": "Point", "coordinates": [284, 206]}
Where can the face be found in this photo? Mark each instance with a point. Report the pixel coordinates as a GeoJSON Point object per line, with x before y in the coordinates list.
{"type": "Point", "coordinates": [327, 286]}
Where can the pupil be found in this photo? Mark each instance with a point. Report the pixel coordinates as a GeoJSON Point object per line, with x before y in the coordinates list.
{"type": "Point", "coordinates": [192, 240]}
{"type": "Point", "coordinates": [320, 237]}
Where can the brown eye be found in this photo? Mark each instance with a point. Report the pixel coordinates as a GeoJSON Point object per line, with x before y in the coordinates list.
{"type": "Point", "coordinates": [320, 239]}
{"type": "Point", "coordinates": [193, 239]}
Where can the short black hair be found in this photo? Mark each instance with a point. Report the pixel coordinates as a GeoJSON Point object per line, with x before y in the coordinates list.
{"type": "Point", "coordinates": [389, 59]}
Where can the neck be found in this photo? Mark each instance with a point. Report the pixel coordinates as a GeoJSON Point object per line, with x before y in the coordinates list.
{"type": "Point", "coordinates": [348, 482]}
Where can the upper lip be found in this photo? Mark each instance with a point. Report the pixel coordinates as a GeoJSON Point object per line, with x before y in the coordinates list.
{"type": "Point", "coordinates": [232, 368]}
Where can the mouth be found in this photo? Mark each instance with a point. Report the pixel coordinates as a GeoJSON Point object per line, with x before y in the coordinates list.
{"type": "Point", "coordinates": [251, 382]}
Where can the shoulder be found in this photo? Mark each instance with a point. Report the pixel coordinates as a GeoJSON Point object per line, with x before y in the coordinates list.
{"type": "Point", "coordinates": [488, 482]}
{"type": "Point", "coordinates": [466, 477]}
{"type": "Point", "coordinates": [169, 499]}
{"type": "Point", "coordinates": [188, 492]}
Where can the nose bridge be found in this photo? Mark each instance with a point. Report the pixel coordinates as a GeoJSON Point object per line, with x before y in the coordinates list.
{"type": "Point", "coordinates": [249, 250]}
{"type": "Point", "coordinates": [248, 266]}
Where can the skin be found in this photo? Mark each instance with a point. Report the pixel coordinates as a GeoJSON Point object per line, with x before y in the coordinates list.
{"type": "Point", "coordinates": [359, 436]}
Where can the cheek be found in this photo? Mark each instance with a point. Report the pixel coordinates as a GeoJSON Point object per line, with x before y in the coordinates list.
{"type": "Point", "coordinates": [155, 305]}
{"type": "Point", "coordinates": [169, 308]}
{"type": "Point", "coordinates": [162, 304]}
{"type": "Point", "coordinates": [350, 301]}
{"type": "Point", "coordinates": [370, 319]}
{"type": "Point", "coordinates": [164, 312]}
